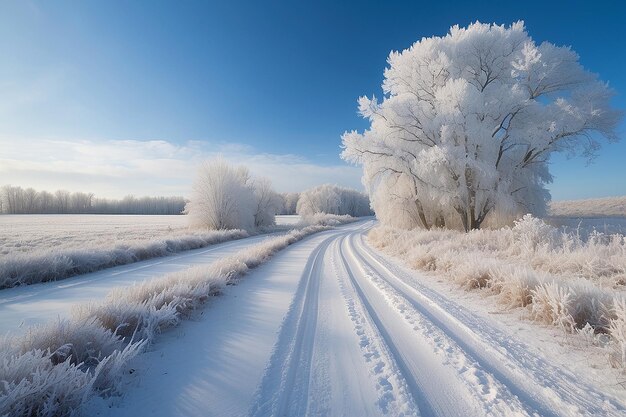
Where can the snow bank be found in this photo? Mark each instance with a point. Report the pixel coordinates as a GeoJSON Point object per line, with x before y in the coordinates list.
{"type": "Point", "coordinates": [48, 265]}
{"type": "Point", "coordinates": [558, 277]}
{"type": "Point", "coordinates": [52, 369]}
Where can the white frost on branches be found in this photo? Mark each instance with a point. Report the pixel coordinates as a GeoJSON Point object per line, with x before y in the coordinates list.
{"type": "Point", "coordinates": [332, 199]}
{"type": "Point", "coordinates": [467, 125]}
{"type": "Point", "coordinates": [227, 197]}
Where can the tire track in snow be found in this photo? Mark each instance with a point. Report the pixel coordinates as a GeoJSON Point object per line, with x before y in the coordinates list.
{"type": "Point", "coordinates": [440, 368]}
{"type": "Point", "coordinates": [542, 388]}
{"type": "Point", "coordinates": [433, 390]}
{"type": "Point", "coordinates": [394, 397]}
{"type": "Point", "coordinates": [284, 389]}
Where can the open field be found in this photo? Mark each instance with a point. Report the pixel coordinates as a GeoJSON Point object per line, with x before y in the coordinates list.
{"type": "Point", "coordinates": [583, 226]}
{"type": "Point", "coordinates": [595, 207]}
{"type": "Point", "coordinates": [46, 248]}
{"type": "Point", "coordinates": [25, 233]}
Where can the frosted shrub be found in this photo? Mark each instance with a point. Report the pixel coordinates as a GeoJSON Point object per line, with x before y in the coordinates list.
{"type": "Point", "coordinates": [552, 304]}
{"type": "Point", "coordinates": [225, 196]}
{"type": "Point", "coordinates": [530, 232]}
{"type": "Point", "coordinates": [473, 272]}
{"type": "Point", "coordinates": [514, 285]}
{"type": "Point", "coordinates": [81, 341]}
{"type": "Point", "coordinates": [31, 385]}
{"type": "Point", "coordinates": [560, 278]}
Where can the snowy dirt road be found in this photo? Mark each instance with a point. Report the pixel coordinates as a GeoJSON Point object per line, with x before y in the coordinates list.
{"type": "Point", "coordinates": [331, 328]}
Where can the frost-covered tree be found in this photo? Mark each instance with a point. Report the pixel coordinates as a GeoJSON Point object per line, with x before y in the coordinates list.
{"type": "Point", "coordinates": [468, 122]}
{"type": "Point", "coordinates": [332, 199]}
{"type": "Point", "coordinates": [290, 202]}
{"type": "Point", "coordinates": [222, 197]}
{"type": "Point", "coordinates": [267, 203]}
{"type": "Point", "coordinates": [227, 197]}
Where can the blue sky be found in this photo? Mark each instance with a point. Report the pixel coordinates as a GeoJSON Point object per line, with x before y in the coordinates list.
{"type": "Point", "coordinates": [126, 97]}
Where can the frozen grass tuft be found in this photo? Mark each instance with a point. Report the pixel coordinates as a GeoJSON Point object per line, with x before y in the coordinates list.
{"type": "Point", "coordinates": [563, 279]}
{"type": "Point", "coordinates": [53, 369]}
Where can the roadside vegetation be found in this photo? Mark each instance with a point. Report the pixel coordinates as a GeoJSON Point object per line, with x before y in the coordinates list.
{"type": "Point", "coordinates": [574, 282]}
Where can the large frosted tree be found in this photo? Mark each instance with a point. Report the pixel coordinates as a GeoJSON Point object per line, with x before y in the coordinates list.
{"type": "Point", "coordinates": [468, 122]}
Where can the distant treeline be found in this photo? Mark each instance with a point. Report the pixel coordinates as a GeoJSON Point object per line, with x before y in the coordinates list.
{"type": "Point", "coordinates": [16, 200]}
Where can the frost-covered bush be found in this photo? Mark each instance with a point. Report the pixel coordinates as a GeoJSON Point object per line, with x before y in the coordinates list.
{"type": "Point", "coordinates": [530, 232]}
{"type": "Point", "coordinates": [267, 203]}
{"type": "Point", "coordinates": [562, 279]}
{"type": "Point", "coordinates": [332, 199]}
{"type": "Point", "coordinates": [222, 197]}
{"type": "Point", "coordinates": [227, 197]}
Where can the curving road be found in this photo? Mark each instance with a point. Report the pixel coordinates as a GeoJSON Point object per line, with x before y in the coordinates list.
{"type": "Point", "coordinates": [331, 328]}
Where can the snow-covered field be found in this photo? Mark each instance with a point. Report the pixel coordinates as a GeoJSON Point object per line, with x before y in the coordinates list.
{"type": "Point", "coordinates": [25, 233]}
{"type": "Point", "coordinates": [583, 226]}
{"type": "Point", "coordinates": [39, 248]}
{"type": "Point", "coordinates": [598, 207]}
{"type": "Point", "coordinates": [604, 215]}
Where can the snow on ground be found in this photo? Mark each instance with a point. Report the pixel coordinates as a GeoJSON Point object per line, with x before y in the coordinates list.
{"type": "Point", "coordinates": [598, 207]}
{"type": "Point", "coordinates": [21, 307]}
{"type": "Point", "coordinates": [43, 371]}
{"type": "Point", "coordinates": [330, 327]}
{"type": "Point", "coordinates": [287, 219]}
{"type": "Point", "coordinates": [586, 225]}
{"type": "Point", "coordinates": [28, 232]}
{"type": "Point", "coordinates": [605, 215]}
{"type": "Point", "coordinates": [49, 248]}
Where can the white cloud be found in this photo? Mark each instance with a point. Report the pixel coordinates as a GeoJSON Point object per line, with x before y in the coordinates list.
{"type": "Point", "coordinates": [114, 168]}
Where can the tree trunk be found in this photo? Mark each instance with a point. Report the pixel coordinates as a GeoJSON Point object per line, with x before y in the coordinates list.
{"type": "Point", "coordinates": [421, 214]}
{"type": "Point", "coordinates": [440, 221]}
{"type": "Point", "coordinates": [463, 213]}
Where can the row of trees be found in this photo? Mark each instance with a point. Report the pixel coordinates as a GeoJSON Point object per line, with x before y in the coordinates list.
{"type": "Point", "coordinates": [228, 197]}
{"type": "Point", "coordinates": [16, 200]}
{"type": "Point", "coordinates": [332, 199]}
{"type": "Point", "coordinates": [325, 198]}
{"type": "Point", "coordinates": [290, 203]}
{"type": "Point", "coordinates": [467, 125]}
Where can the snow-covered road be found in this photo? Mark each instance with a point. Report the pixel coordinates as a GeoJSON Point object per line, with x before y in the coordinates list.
{"type": "Point", "coordinates": [330, 327]}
